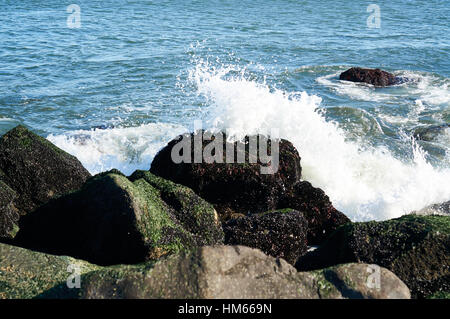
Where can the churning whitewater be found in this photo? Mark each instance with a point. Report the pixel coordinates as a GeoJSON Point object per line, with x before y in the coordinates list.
{"type": "Point", "coordinates": [363, 180]}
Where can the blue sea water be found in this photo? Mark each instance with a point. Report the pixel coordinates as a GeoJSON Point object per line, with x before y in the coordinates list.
{"type": "Point", "coordinates": [137, 73]}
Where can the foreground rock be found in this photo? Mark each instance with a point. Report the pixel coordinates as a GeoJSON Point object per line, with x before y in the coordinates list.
{"type": "Point", "coordinates": [375, 77]}
{"type": "Point", "coordinates": [113, 219]}
{"type": "Point", "coordinates": [36, 171]}
{"type": "Point", "coordinates": [415, 248]}
{"type": "Point", "coordinates": [239, 189]}
{"type": "Point", "coordinates": [280, 234]}
{"type": "Point", "coordinates": [27, 274]}
{"type": "Point", "coordinates": [231, 272]}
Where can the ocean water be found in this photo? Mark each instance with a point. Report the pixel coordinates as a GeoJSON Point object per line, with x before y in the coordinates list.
{"type": "Point", "coordinates": [135, 74]}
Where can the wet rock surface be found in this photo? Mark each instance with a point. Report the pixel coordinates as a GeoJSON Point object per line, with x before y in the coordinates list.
{"type": "Point", "coordinates": [281, 233]}
{"type": "Point", "coordinates": [375, 77]}
{"type": "Point", "coordinates": [415, 248]}
{"type": "Point", "coordinates": [240, 189]}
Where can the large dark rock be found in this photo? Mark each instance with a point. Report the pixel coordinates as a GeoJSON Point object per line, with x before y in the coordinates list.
{"type": "Point", "coordinates": [415, 248]}
{"type": "Point", "coordinates": [279, 234]}
{"type": "Point", "coordinates": [113, 219]}
{"type": "Point", "coordinates": [322, 217]}
{"type": "Point", "coordinates": [375, 77]}
{"type": "Point", "coordinates": [9, 216]}
{"type": "Point", "coordinates": [36, 169]}
{"type": "Point", "coordinates": [233, 188]}
{"type": "Point", "coordinates": [239, 189]}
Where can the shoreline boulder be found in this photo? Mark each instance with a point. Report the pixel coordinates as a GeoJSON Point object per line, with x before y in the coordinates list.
{"type": "Point", "coordinates": [114, 220]}
{"type": "Point", "coordinates": [9, 216]}
{"type": "Point", "coordinates": [240, 189]}
{"type": "Point", "coordinates": [375, 77]}
{"type": "Point", "coordinates": [415, 248]}
{"type": "Point", "coordinates": [36, 170]}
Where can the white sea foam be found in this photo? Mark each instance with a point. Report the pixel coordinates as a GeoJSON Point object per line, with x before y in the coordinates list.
{"type": "Point", "coordinates": [364, 182]}
{"type": "Point", "coordinates": [126, 149]}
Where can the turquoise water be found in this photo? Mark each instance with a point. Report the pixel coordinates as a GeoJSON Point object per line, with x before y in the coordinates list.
{"type": "Point", "coordinates": [137, 73]}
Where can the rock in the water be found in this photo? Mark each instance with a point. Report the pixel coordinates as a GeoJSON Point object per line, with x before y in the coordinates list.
{"type": "Point", "coordinates": [375, 77]}
{"type": "Point", "coordinates": [9, 216]}
{"type": "Point", "coordinates": [236, 272]}
{"type": "Point", "coordinates": [280, 233]}
{"type": "Point", "coordinates": [36, 169]}
{"type": "Point", "coordinates": [436, 209]}
{"type": "Point", "coordinates": [322, 217]}
{"type": "Point", "coordinates": [430, 133]}
{"type": "Point", "coordinates": [415, 248]}
{"type": "Point", "coordinates": [113, 220]}
{"type": "Point", "coordinates": [239, 189]}
{"type": "Point", "coordinates": [233, 188]}
{"type": "Point", "coordinates": [27, 274]}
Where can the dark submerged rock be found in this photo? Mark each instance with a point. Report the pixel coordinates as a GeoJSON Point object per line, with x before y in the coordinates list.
{"type": "Point", "coordinates": [430, 133]}
{"type": "Point", "coordinates": [36, 169]}
{"type": "Point", "coordinates": [415, 248]}
{"type": "Point", "coordinates": [113, 219]}
{"type": "Point", "coordinates": [239, 189]}
{"type": "Point", "coordinates": [375, 77]}
{"type": "Point", "coordinates": [280, 234]}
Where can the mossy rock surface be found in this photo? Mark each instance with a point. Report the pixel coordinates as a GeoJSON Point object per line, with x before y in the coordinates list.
{"type": "Point", "coordinates": [36, 169]}
{"type": "Point", "coordinates": [9, 215]}
{"type": "Point", "coordinates": [27, 274]}
{"type": "Point", "coordinates": [416, 248]}
{"type": "Point", "coordinates": [115, 220]}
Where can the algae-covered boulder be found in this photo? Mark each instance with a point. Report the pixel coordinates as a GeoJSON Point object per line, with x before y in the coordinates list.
{"type": "Point", "coordinates": [27, 274]}
{"type": "Point", "coordinates": [238, 189]}
{"type": "Point", "coordinates": [236, 272]}
{"type": "Point", "coordinates": [232, 187]}
{"type": "Point", "coordinates": [113, 220]}
{"type": "Point", "coordinates": [280, 233]}
{"type": "Point", "coordinates": [36, 169]}
{"type": "Point", "coordinates": [9, 215]}
{"type": "Point", "coordinates": [415, 248]}
{"type": "Point", "coordinates": [322, 217]}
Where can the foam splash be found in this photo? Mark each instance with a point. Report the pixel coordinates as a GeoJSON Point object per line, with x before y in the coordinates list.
{"type": "Point", "coordinates": [126, 149]}
{"type": "Point", "coordinates": [364, 182]}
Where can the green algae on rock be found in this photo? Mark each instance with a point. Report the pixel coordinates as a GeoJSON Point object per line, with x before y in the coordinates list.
{"type": "Point", "coordinates": [27, 274]}
{"type": "Point", "coordinates": [114, 220]}
{"type": "Point", "coordinates": [9, 215]}
{"type": "Point", "coordinates": [416, 248]}
{"type": "Point", "coordinates": [234, 272]}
